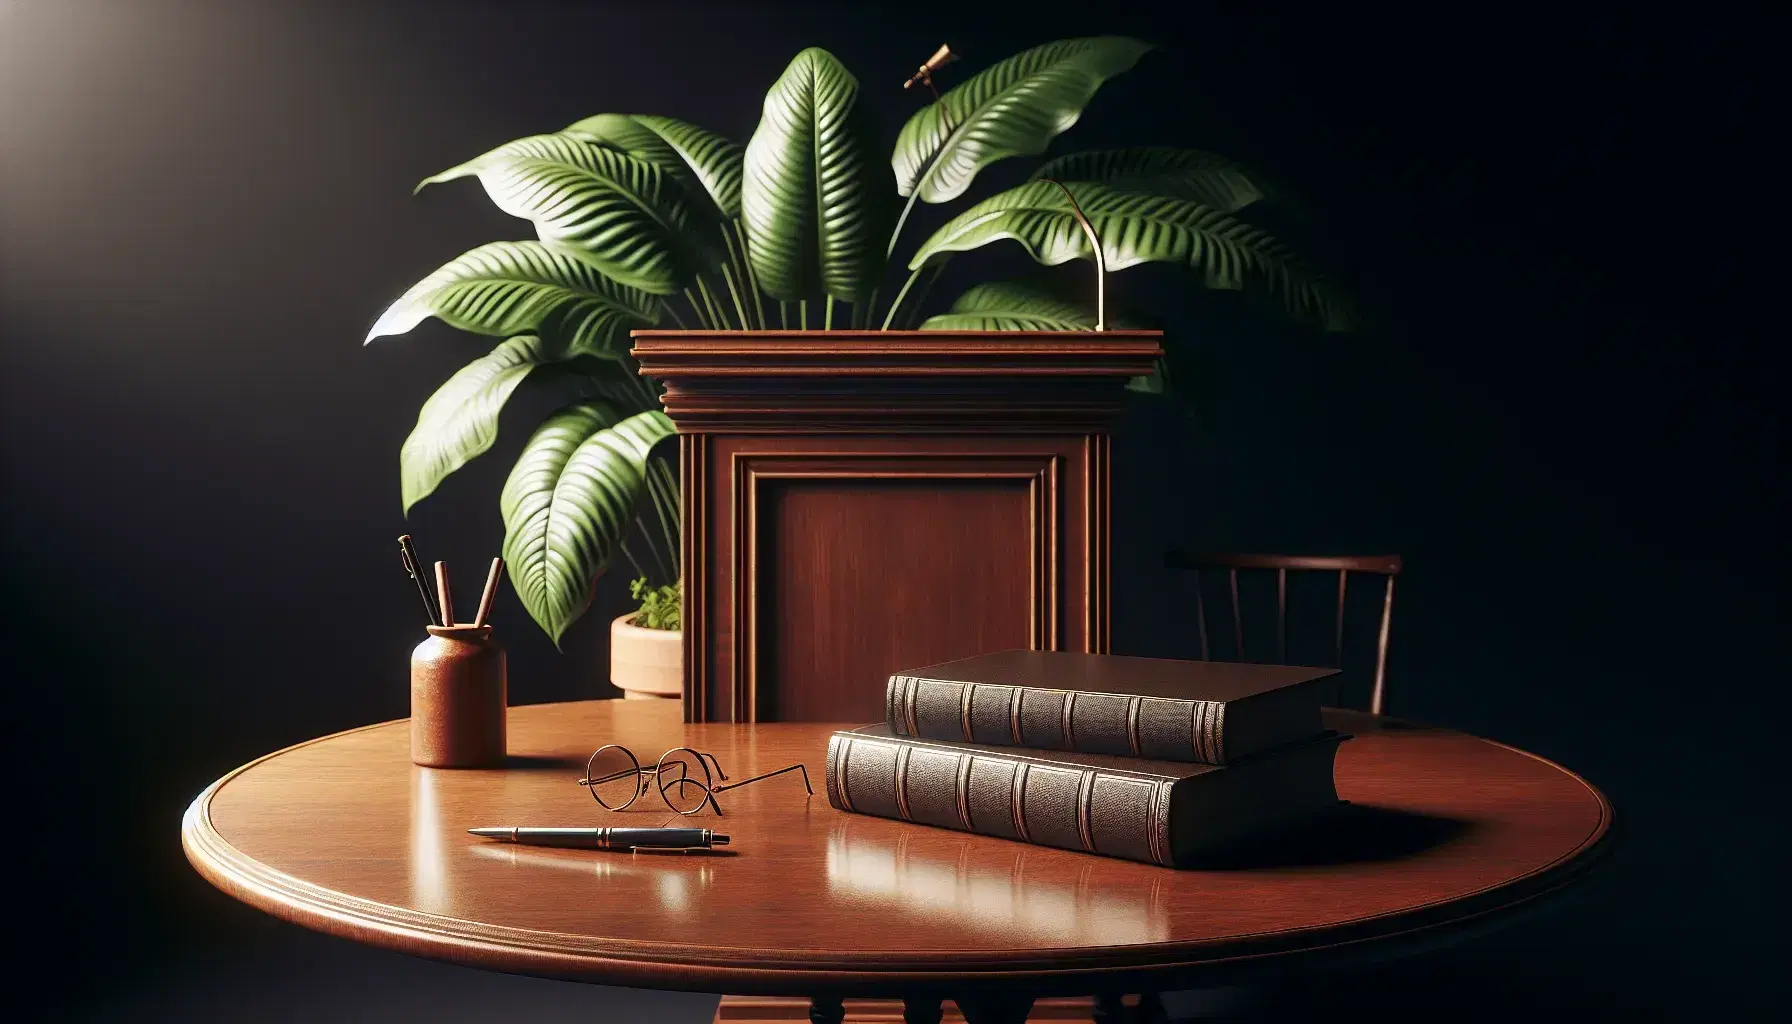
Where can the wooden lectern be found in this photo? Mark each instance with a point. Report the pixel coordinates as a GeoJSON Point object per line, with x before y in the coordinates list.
{"type": "Point", "coordinates": [858, 502]}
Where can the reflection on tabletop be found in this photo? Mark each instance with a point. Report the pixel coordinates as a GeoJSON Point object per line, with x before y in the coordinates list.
{"type": "Point", "coordinates": [436, 848]}
{"type": "Point", "coordinates": [673, 880]}
{"type": "Point", "coordinates": [1002, 899]}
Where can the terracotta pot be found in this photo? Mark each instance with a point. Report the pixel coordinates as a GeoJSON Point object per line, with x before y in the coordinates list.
{"type": "Point", "coordinates": [646, 664]}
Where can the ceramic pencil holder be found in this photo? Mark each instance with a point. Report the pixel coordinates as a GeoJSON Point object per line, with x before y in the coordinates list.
{"type": "Point", "coordinates": [458, 697]}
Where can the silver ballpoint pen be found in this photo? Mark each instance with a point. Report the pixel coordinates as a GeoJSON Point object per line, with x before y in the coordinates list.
{"type": "Point", "coordinates": [607, 838]}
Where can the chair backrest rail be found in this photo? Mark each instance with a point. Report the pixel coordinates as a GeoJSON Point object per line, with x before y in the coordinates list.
{"type": "Point", "coordinates": [1388, 566]}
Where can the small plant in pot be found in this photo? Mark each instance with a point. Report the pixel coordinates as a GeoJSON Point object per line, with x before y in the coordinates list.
{"type": "Point", "coordinates": [645, 221]}
{"type": "Point", "coordinates": [646, 647]}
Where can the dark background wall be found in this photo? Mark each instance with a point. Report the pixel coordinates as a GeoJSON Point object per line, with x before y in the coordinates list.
{"type": "Point", "coordinates": [1566, 414]}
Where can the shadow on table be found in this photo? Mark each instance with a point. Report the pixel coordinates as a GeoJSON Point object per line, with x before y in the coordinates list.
{"type": "Point", "coordinates": [545, 762]}
{"type": "Point", "coordinates": [1353, 834]}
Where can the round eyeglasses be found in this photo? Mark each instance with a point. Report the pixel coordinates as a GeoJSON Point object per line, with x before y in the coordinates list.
{"type": "Point", "coordinates": [687, 779]}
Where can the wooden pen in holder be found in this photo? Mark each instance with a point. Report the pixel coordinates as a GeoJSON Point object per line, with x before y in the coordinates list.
{"type": "Point", "coordinates": [458, 698]}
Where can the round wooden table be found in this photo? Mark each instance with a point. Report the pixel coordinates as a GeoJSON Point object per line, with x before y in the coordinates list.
{"type": "Point", "coordinates": [344, 835]}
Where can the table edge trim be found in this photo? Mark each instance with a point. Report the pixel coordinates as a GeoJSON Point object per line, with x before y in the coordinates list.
{"type": "Point", "coordinates": [674, 965]}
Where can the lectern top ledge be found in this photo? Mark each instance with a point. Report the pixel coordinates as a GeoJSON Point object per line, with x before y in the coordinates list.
{"type": "Point", "coordinates": [858, 501]}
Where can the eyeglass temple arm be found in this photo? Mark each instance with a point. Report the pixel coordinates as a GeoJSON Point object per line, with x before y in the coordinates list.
{"type": "Point", "coordinates": [767, 775]}
{"type": "Point", "coordinates": [613, 776]}
{"type": "Point", "coordinates": [720, 774]}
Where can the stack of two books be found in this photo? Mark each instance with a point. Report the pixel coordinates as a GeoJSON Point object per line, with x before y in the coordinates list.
{"type": "Point", "coordinates": [1166, 762]}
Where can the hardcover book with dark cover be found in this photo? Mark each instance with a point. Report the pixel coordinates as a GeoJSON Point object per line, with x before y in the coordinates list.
{"type": "Point", "coordinates": [1204, 711]}
{"type": "Point", "coordinates": [1160, 812]}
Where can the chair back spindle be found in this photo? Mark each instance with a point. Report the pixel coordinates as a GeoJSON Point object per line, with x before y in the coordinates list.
{"type": "Point", "coordinates": [1386, 566]}
{"type": "Point", "coordinates": [1281, 615]}
{"type": "Point", "coordinates": [1237, 615]}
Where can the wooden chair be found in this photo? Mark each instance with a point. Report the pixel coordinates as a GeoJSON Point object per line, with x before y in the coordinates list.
{"type": "Point", "coordinates": [1386, 566]}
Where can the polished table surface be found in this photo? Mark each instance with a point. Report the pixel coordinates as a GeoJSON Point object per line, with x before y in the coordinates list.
{"type": "Point", "coordinates": [343, 834]}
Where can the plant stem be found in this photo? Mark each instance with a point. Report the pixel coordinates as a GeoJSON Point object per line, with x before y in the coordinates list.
{"type": "Point", "coordinates": [734, 293]}
{"type": "Point", "coordinates": [752, 275]}
{"type": "Point", "coordinates": [914, 316]}
{"type": "Point", "coordinates": [802, 312]}
{"type": "Point", "coordinates": [673, 313]}
{"type": "Point", "coordinates": [664, 490]}
{"type": "Point", "coordinates": [827, 320]}
{"type": "Point", "coordinates": [715, 308]}
{"type": "Point", "coordinates": [906, 207]}
{"type": "Point", "coordinates": [659, 506]}
{"type": "Point", "coordinates": [672, 491]}
{"type": "Point", "coordinates": [890, 317]}
{"type": "Point", "coordinates": [784, 314]}
{"type": "Point", "coordinates": [697, 310]}
{"type": "Point", "coordinates": [632, 560]}
{"type": "Point", "coordinates": [862, 317]}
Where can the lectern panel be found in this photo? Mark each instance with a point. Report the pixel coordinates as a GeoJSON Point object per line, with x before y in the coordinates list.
{"type": "Point", "coordinates": [859, 502]}
{"type": "Point", "coordinates": [854, 578]}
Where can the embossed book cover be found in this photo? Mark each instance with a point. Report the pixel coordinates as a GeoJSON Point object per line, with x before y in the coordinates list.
{"type": "Point", "coordinates": [1203, 711]}
{"type": "Point", "coordinates": [1160, 812]}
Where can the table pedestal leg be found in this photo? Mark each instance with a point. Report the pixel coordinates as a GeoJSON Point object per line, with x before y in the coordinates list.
{"type": "Point", "coordinates": [921, 1011]}
{"type": "Point", "coordinates": [1011, 1010]}
{"type": "Point", "coordinates": [826, 1010]}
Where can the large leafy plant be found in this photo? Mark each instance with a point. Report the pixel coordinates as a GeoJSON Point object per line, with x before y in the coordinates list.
{"type": "Point", "coordinates": [647, 221]}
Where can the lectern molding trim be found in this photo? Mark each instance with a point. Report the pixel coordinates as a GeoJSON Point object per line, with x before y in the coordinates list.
{"type": "Point", "coordinates": [1043, 474]}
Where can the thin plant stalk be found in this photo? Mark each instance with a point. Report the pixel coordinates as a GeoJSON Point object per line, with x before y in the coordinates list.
{"type": "Point", "coordinates": [752, 275]}
{"type": "Point", "coordinates": [896, 305]}
{"type": "Point", "coordinates": [827, 319]}
{"type": "Point", "coordinates": [908, 206]}
{"type": "Point", "coordinates": [666, 501]}
{"type": "Point", "coordinates": [715, 308]}
{"type": "Point", "coordinates": [914, 316]}
{"type": "Point", "coordinates": [654, 490]}
{"type": "Point", "coordinates": [734, 293]}
{"type": "Point", "coordinates": [697, 311]}
{"type": "Point", "coordinates": [743, 274]}
{"type": "Point", "coordinates": [673, 313]}
{"type": "Point", "coordinates": [630, 555]}
{"type": "Point", "coordinates": [658, 562]}
{"type": "Point", "coordinates": [670, 489]}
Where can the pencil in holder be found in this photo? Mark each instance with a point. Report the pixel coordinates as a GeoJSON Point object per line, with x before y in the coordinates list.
{"type": "Point", "coordinates": [458, 698]}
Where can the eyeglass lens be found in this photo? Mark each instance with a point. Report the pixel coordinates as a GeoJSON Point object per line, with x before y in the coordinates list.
{"type": "Point", "coordinates": [684, 780]}
{"type": "Point", "coordinates": [614, 777]}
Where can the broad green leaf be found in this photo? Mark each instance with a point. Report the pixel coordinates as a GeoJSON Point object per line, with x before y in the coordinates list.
{"type": "Point", "coordinates": [511, 287]}
{"type": "Point", "coordinates": [568, 503]}
{"type": "Point", "coordinates": [1136, 228]}
{"type": "Point", "coordinates": [460, 421]}
{"type": "Point", "coordinates": [562, 148]}
{"type": "Point", "coordinates": [625, 132]}
{"type": "Point", "coordinates": [623, 215]}
{"type": "Point", "coordinates": [813, 200]}
{"type": "Point", "coordinates": [696, 155]}
{"type": "Point", "coordinates": [1014, 108]}
{"type": "Point", "coordinates": [1004, 306]}
{"type": "Point", "coordinates": [1205, 178]}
